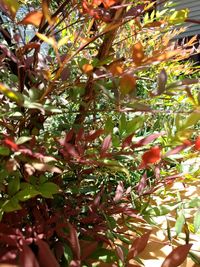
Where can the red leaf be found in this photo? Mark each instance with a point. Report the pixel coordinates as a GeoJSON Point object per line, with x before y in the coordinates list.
{"type": "Point", "coordinates": [45, 255]}
{"type": "Point", "coordinates": [120, 253]}
{"type": "Point", "coordinates": [197, 143]}
{"type": "Point", "coordinates": [142, 184]}
{"type": "Point", "coordinates": [70, 149]}
{"type": "Point", "coordinates": [69, 136]}
{"type": "Point", "coordinates": [109, 3]}
{"type": "Point", "coordinates": [34, 18]}
{"type": "Point", "coordinates": [119, 192]}
{"type": "Point", "coordinates": [152, 156]}
{"type": "Point", "coordinates": [27, 257]}
{"type": "Point", "coordinates": [138, 245]}
{"type": "Point", "coordinates": [175, 150]}
{"type": "Point", "coordinates": [127, 141]}
{"type": "Point", "coordinates": [93, 135]}
{"type": "Point", "coordinates": [87, 251]}
{"type": "Point", "coordinates": [106, 144]}
{"type": "Point", "coordinates": [11, 144]}
{"type": "Point", "coordinates": [147, 140]}
{"type": "Point", "coordinates": [74, 242]}
{"type": "Point", "coordinates": [177, 256]}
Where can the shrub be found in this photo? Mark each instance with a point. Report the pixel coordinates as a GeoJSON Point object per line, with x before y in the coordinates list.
{"type": "Point", "coordinates": [93, 111]}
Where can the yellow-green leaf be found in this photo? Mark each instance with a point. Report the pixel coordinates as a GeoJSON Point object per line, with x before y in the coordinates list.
{"type": "Point", "coordinates": [10, 7]}
{"type": "Point", "coordinates": [14, 96]}
{"type": "Point", "coordinates": [178, 16]}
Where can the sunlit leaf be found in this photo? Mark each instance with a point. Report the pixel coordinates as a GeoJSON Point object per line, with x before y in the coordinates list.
{"type": "Point", "coordinates": [27, 192]}
{"type": "Point", "coordinates": [177, 256]}
{"type": "Point", "coordinates": [197, 220]}
{"type": "Point", "coordinates": [87, 68]}
{"type": "Point", "coordinates": [12, 95]}
{"type": "Point", "coordinates": [48, 40]}
{"type": "Point", "coordinates": [34, 18]}
{"type": "Point", "coordinates": [179, 16]}
{"type": "Point", "coordinates": [45, 167]}
{"type": "Point", "coordinates": [179, 223]}
{"type": "Point", "coordinates": [10, 7]}
{"type": "Point", "coordinates": [138, 53]}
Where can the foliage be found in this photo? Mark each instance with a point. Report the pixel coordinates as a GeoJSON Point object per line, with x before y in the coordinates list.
{"type": "Point", "coordinates": [98, 117]}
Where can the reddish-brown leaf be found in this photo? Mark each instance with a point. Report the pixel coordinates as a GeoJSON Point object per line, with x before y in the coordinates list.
{"type": "Point", "coordinates": [175, 150]}
{"type": "Point", "coordinates": [135, 11]}
{"type": "Point", "coordinates": [147, 140]}
{"type": "Point", "coordinates": [119, 192]}
{"type": "Point", "coordinates": [88, 250]}
{"type": "Point", "coordinates": [177, 256]}
{"type": "Point", "coordinates": [93, 135]}
{"type": "Point", "coordinates": [127, 141]}
{"type": "Point", "coordinates": [127, 84]}
{"type": "Point", "coordinates": [45, 255]}
{"type": "Point", "coordinates": [116, 68]}
{"type": "Point", "coordinates": [142, 184]}
{"type": "Point", "coordinates": [138, 245]}
{"type": "Point", "coordinates": [138, 53]}
{"type": "Point", "coordinates": [27, 257]}
{"type": "Point", "coordinates": [34, 18]}
{"type": "Point", "coordinates": [120, 253]}
{"type": "Point", "coordinates": [74, 242]}
{"type": "Point", "coordinates": [106, 144]}
{"type": "Point", "coordinates": [162, 57]}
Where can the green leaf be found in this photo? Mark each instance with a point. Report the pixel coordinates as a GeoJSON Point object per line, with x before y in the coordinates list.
{"type": "Point", "coordinates": [179, 16]}
{"type": "Point", "coordinates": [134, 124]}
{"type": "Point", "coordinates": [122, 124]}
{"type": "Point", "coordinates": [68, 255]}
{"type": "Point", "coordinates": [161, 210]}
{"type": "Point", "coordinates": [194, 203]}
{"type": "Point", "coordinates": [196, 221]}
{"type": "Point", "coordinates": [109, 125]}
{"type": "Point", "coordinates": [14, 96]}
{"type": "Point", "coordinates": [48, 189]}
{"type": "Point", "coordinates": [179, 223]}
{"type": "Point", "coordinates": [33, 105]}
{"type": "Point", "coordinates": [13, 186]}
{"type": "Point", "coordinates": [11, 205]}
{"type": "Point", "coordinates": [27, 192]}
{"type": "Point", "coordinates": [194, 257]}
{"type": "Point", "coordinates": [4, 151]}
{"type": "Point", "coordinates": [192, 120]}
{"type": "Point", "coordinates": [105, 255]}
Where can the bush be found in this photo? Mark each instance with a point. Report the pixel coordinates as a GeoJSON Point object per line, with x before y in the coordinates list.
{"type": "Point", "coordinates": [97, 115]}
